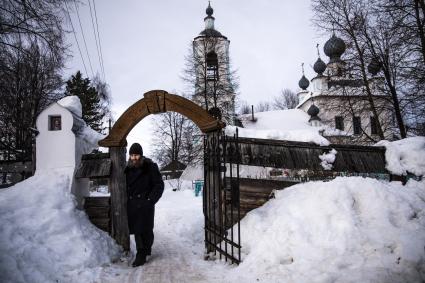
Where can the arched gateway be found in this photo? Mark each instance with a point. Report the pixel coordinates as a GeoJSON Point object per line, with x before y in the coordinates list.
{"type": "Point", "coordinates": [218, 202]}
{"type": "Point", "coordinates": [154, 102]}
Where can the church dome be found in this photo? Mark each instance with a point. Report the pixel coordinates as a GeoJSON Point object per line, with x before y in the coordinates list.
{"type": "Point", "coordinates": [334, 48]}
{"type": "Point", "coordinates": [319, 67]}
{"type": "Point", "coordinates": [209, 10]}
{"type": "Point", "coordinates": [313, 110]}
{"type": "Point", "coordinates": [303, 83]}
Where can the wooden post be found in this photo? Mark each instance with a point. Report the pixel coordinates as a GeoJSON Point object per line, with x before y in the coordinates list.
{"type": "Point", "coordinates": [117, 182]}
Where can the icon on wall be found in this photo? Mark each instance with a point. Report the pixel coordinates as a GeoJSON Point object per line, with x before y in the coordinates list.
{"type": "Point", "coordinates": [55, 123]}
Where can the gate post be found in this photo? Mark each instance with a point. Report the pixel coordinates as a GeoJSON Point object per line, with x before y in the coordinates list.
{"type": "Point", "coordinates": [119, 221]}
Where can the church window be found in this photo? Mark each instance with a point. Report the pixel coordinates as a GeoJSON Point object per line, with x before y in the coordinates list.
{"type": "Point", "coordinates": [357, 125]}
{"type": "Point", "coordinates": [339, 123]}
{"type": "Point", "coordinates": [373, 126]}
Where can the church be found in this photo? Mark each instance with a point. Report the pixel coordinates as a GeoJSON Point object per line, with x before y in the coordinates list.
{"type": "Point", "coordinates": [357, 110]}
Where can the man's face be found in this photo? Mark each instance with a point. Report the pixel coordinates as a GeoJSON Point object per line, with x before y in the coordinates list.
{"type": "Point", "coordinates": [135, 158]}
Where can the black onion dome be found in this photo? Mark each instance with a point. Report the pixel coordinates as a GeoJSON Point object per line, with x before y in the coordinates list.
{"type": "Point", "coordinates": [303, 83]}
{"type": "Point", "coordinates": [313, 110]}
{"type": "Point", "coordinates": [374, 66]}
{"type": "Point", "coordinates": [209, 10]}
{"type": "Point", "coordinates": [320, 66]}
{"type": "Point", "coordinates": [334, 48]}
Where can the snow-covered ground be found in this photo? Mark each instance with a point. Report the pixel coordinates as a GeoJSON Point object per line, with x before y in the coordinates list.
{"type": "Point", "coordinates": [346, 230]}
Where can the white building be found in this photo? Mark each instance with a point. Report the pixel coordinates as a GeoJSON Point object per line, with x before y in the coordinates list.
{"type": "Point", "coordinates": [213, 74]}
{"type": "Point", "coordinates": [62, 140]}
{"type": "Point", "coordinates": [337, 100]}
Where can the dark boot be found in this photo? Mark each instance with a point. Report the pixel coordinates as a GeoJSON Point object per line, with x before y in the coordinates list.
{"type": "Point", "coordinates": [140, 259]}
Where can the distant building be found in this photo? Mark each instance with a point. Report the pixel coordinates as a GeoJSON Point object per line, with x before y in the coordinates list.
{"type": "Point", "coordinates": [213, 74]}
{"type": "Point", "coordinates": [337, 100]}
{"type": "Point", "coordinates": [173, 170]}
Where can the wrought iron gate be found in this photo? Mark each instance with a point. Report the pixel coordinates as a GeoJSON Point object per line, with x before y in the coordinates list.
{"type": "Point", "coordinates": [221, 203]}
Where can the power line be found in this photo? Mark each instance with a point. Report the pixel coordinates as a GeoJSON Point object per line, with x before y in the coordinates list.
{"type": "Point", "coordinates": [96, 39]}
{"type": "Point", "coordinates": [84, 39]}
{"type": "Point", "coordinates": [75, 36]}
{"type": "Point", "coordinates": [98, 36]}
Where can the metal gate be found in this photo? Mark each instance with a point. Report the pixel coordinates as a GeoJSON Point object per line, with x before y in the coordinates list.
{"type": "Point", "coordinates": [221, 203]}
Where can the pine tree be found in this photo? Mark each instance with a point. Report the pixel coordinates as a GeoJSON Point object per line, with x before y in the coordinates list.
{"type": "Point", "coordinates": [90, 100]}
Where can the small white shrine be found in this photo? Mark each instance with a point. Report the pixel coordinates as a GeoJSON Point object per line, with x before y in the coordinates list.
{"type": "Point", "coordinates": [62, 140]}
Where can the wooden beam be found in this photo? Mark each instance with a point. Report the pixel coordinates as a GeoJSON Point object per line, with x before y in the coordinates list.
{"type": "Point", "coordinates": [118, 191]}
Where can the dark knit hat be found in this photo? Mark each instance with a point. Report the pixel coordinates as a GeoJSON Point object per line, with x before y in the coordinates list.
{"type": "Point", "coordinates": [136, 148]}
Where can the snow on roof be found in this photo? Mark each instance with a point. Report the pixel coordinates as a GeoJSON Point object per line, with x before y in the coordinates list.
{"type": "Point", "coordinates": [406, 155]}
{"type": "Point", "coordinates": [89, 136]}
{"type": "Point", "coordinates": [291, 125]}
{"type": "Point", "coordinates": [73, 104]}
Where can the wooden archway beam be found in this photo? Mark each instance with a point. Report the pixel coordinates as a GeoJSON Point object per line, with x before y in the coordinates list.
{"type": "Point", "coordinates": [154, 102]}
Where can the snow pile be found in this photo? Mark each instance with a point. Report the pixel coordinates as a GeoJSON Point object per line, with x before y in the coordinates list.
{"type": "Point", "coordinates": [43, 237]}
{"type": "Point", "coordinates": [87, 137]}
{"type": "Point", "coordinates": [406, 155]}
{"type": "Point", "coordinates": [291, 125]}
{"type": "Point", "coordinates": [328, 159]}
{"type": "Point", "coordinates": [88, 140]}
{"type": "Point", "coordinates": [73, 104]}
{"type": "Point", "coordinates": [346, 230]}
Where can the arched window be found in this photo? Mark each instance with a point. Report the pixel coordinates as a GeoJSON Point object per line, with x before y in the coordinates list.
{"type": "Point", "coordinates": [212, 66]}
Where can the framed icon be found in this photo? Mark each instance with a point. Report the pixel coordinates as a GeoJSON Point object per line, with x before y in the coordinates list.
{"type": "Point", "coordinates": [55, 123]}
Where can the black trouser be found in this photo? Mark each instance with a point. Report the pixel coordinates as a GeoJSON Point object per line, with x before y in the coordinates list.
{"type": "Point", "coordinates": [144, 241]}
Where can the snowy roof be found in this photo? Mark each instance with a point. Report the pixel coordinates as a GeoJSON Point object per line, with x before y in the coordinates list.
{"type": "Point", "coordinates": [174, 165]}
{"type": "Point", "coordinates": [291, 125]}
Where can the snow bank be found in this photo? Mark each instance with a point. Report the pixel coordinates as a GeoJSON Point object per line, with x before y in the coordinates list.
{"type": "Point", "coordinates": [346, 230]}
{"type": "Point", "coordinates": [43, 237]}
{"type": "Point", "coordinates": [406, 155]}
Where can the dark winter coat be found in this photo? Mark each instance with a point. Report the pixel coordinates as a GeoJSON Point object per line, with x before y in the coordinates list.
{"type": "Point", "coordinates": [144, 189]}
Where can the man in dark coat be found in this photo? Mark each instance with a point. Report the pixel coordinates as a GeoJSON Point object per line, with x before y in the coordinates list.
{"type": "Point", "coordinates": [144, 189]}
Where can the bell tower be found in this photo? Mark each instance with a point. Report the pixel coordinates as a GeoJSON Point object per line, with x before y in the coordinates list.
{"type": "Point", "coordinates": [214, 88]}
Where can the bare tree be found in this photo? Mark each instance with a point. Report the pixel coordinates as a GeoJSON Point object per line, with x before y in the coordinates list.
{"type": "Point", "coordinates": [24, 22]}
{"type": "Point", "coordinates": [32, 53]}
{"type": "Point", "coordinates": [29, 81]}
{"type": "Point", "coordinates": [263, 106]}
{"type": "Point", "coordinates": [244, 108]}
{"type": "Point", "coordinates": [286, 100]}
{"type": "Point", "coordinates": [176, 138]}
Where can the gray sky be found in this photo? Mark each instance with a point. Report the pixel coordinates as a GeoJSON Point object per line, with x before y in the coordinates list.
{"type": "Point", "coordinates": [144, 44]}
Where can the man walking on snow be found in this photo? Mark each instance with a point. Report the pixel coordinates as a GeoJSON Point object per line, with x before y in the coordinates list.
{"type": "Point", "coordinates": [144, 189]}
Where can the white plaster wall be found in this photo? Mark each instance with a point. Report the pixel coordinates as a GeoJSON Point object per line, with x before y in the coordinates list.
{"type": "Point", "coordinates": [55, 149]}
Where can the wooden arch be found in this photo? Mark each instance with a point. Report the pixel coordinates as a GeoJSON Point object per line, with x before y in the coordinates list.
{"type": "Point", "coordinates": [154, 102]}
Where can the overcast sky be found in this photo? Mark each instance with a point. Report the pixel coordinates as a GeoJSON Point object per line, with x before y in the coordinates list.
{"type": "Point", "coordinates": [144, 44]}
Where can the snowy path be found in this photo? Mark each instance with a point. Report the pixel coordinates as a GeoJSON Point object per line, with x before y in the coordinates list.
{"type": "Point", "coordinates": [177, 254]}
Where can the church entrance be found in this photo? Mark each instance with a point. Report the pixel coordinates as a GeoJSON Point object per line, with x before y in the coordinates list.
{"type": "Point", "coordinates": [221, 177]}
